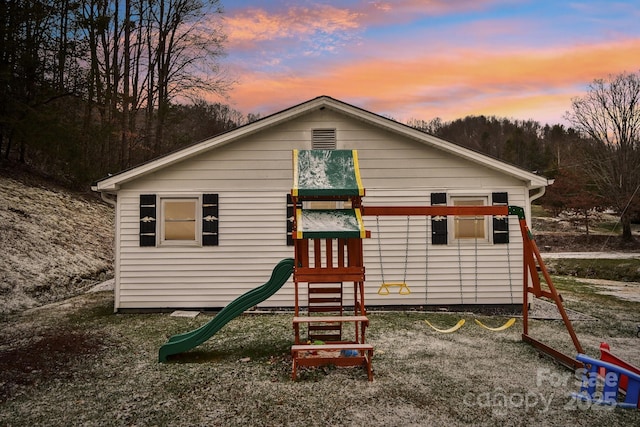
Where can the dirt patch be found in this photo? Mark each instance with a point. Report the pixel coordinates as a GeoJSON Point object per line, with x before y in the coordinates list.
{"type": "Point", "coordinates": [52, 355]}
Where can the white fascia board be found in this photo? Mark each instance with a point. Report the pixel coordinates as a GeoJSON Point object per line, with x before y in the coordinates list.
{"type": "Point", "coordinates": [532, 180]}
{"type": "Point", "coordinates": [112, 184]}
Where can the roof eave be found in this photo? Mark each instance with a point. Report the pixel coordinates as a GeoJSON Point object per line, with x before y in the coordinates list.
{"type": "Point", "coordinates": [113, 183]}
{"type": "Point", "coordinates": [532, 180]}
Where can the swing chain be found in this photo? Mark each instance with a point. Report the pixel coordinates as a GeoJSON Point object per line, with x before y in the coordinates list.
{"type": "Point", "coordinates": [509, 272]}
{"type": "Point", "coordinates": [426, 262]}
{"type": "Point", "coordinates": [406, 253]}
{"type": "Point", "coordinates": [380, 247]}
{"type": "Point", "coordinates": [460, 264]}
{"type": "Point", "coordinates": [475, 254]}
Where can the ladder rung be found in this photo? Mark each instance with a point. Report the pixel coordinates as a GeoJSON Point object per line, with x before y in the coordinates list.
{"type": "Point", "coordinates": [324, 308]}
{"type": "Point", "coordinates": [334, 327]}
{"type": "Point", "coordinates": [325, 337]}
{"type": "Point", "coordinates": [324, 300]}
{"type": "Point", "coordinates": [325, 291]}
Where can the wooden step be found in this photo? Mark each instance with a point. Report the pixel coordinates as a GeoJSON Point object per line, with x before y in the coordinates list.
{"type": "Point", "coordinates": [300, 356]}
{"type": "Point", "coordinates": [329, 347]}
{"type": "Point", "coordinates": [341, 319]}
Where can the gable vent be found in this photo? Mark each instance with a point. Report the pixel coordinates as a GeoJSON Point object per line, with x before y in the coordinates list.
{"type": "Point", "coordinates": [323, 139]}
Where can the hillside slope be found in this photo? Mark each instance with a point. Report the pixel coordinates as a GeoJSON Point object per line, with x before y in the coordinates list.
{"type": "Point", "coordinates": [53, 243]}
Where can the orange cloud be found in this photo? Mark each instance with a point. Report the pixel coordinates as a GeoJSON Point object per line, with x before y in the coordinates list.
{"type": "Point", "coordinates": [451, 85]}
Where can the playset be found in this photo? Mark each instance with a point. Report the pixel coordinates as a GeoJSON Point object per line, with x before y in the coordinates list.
{"type": "Point", "coordinates": [328, 252]}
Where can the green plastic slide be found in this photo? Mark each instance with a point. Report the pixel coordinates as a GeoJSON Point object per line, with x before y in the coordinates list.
{"type": "Point", "coordinates": [183, 342]}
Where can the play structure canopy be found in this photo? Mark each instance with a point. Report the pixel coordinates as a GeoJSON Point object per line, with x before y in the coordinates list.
{"type": "Point", "coordinates": [326, 173]}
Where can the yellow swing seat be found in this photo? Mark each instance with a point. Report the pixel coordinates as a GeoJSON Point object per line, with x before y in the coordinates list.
{"type": "Point", "coordinates": [507, 325]}
{"type": "Point", "coordinates": [384, 288]}
{"type": "Point", "coordinates": [447, 331]}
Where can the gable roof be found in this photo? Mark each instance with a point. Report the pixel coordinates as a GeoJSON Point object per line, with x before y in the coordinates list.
{"type": "Point", "coordinates": [113, 182]}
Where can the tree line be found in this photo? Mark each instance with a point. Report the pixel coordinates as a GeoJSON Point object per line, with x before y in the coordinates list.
{"type": "Point", "coordinates": [594, 162]}
{"type": "Point", "coordinates": [95, 86]}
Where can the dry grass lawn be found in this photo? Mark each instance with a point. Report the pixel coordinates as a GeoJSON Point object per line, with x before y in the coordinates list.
{"type": "Point", "coordinates": [77, 363]}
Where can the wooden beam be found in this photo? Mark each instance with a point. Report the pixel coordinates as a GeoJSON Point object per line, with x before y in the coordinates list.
{"type": "Point", "coordinates": [433, 210]}
{"type": "Point", "coordinates": [561, 358]}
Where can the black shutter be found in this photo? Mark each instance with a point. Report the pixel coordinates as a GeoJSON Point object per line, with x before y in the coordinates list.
{"type": "Point", "coordinates": [500, 222]}
{"type": "Point", "coordinates": [438, 223]}
{"type": "Point", "coordinates": [210, 220]}
{"type": "Point", "coordinates": [148, 221]}
{"type": "Point", "coordinates": [291, 211]}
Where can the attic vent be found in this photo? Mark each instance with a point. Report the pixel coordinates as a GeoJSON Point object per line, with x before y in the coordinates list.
{"type": "Point", "coordinates": [323, 139]}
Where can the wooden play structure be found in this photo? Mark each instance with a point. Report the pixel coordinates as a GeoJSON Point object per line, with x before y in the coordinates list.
{"type": "Point", "coordinates": [328, 230]}
{"type": "Point", "coordinates": [328, 253]}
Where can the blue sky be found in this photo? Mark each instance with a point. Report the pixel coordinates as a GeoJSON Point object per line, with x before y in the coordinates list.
{"type": "Point", "coordinates": [430, 58]}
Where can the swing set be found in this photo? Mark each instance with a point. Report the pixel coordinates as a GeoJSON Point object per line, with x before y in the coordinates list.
{"type": "Point", "coordinates": [384, 287]}
{"type": "Point", "coordinates": [405, 290]}
{"type": "Point", "coordinates": [533, 264]}
{"type": "Point", "coordinates": [328, 250]}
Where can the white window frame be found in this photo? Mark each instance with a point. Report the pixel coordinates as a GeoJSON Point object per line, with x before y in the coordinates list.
{"type": "Point", "coordinates": [486, 220]}
{"type": "Point", "coordinates": [197, 242]}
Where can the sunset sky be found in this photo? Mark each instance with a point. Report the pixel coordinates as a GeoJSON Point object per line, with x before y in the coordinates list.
{"type": "Point", "coordinates": [522, 59]}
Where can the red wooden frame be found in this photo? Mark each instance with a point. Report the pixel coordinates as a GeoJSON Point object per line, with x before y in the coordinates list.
{"type": "Point", "coordinates": [532, 261]}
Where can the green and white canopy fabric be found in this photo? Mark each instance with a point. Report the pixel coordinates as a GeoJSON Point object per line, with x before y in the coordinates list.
{"type": "Point", "coordinates": [326, 173]}
{"type": "Point", "coordinates": [329, 224]}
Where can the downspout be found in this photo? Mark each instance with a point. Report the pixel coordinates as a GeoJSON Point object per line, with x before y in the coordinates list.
{"type": "Point", "coordinates": [535, 196]}
{"type": "Point", "coordinates": [113, 201]}
{"type": "Point", "coordinates": [539, 193]}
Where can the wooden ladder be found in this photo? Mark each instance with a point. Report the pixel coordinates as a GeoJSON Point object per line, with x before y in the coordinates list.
{"type": "Point", "coordinates": [325, 298]}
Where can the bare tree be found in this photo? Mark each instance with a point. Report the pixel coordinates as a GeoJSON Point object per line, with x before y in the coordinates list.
{"type": "Point", "coordinates": [184, 49]}
{"type": "Point", "coordinates": [609, 114]}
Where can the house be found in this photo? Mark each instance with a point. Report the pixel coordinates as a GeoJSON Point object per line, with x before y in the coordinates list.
{"type": "Point", "coordinates": [203, 225]}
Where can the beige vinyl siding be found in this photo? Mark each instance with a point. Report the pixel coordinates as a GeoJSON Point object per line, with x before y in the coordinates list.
{"type": "Point", "coordinates": [434, 271]}
{"type": "Point", "coordinates": [252, 241]}
{"type": "Point", "coordinates": [252, 177]}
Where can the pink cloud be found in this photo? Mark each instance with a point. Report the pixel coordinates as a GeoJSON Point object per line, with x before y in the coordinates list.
{"type": "Point", "coordinates": [252, 26]}
{"type": "Point", "coordinates": [248, 27]}
{"type": "Point", "coordinates": [450, 85]}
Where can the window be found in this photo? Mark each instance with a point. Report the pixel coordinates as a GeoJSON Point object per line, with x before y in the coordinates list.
{"type": "Point", "coordinates": [179, 223]}
{"type": "Point", "coordinates": [181, 220]}
{"type": "Point", "coordinates": [470, 226]}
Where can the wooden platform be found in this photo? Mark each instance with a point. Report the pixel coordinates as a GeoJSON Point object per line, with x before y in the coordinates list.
{"type": "Point", "coordinates": [332, 354]}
